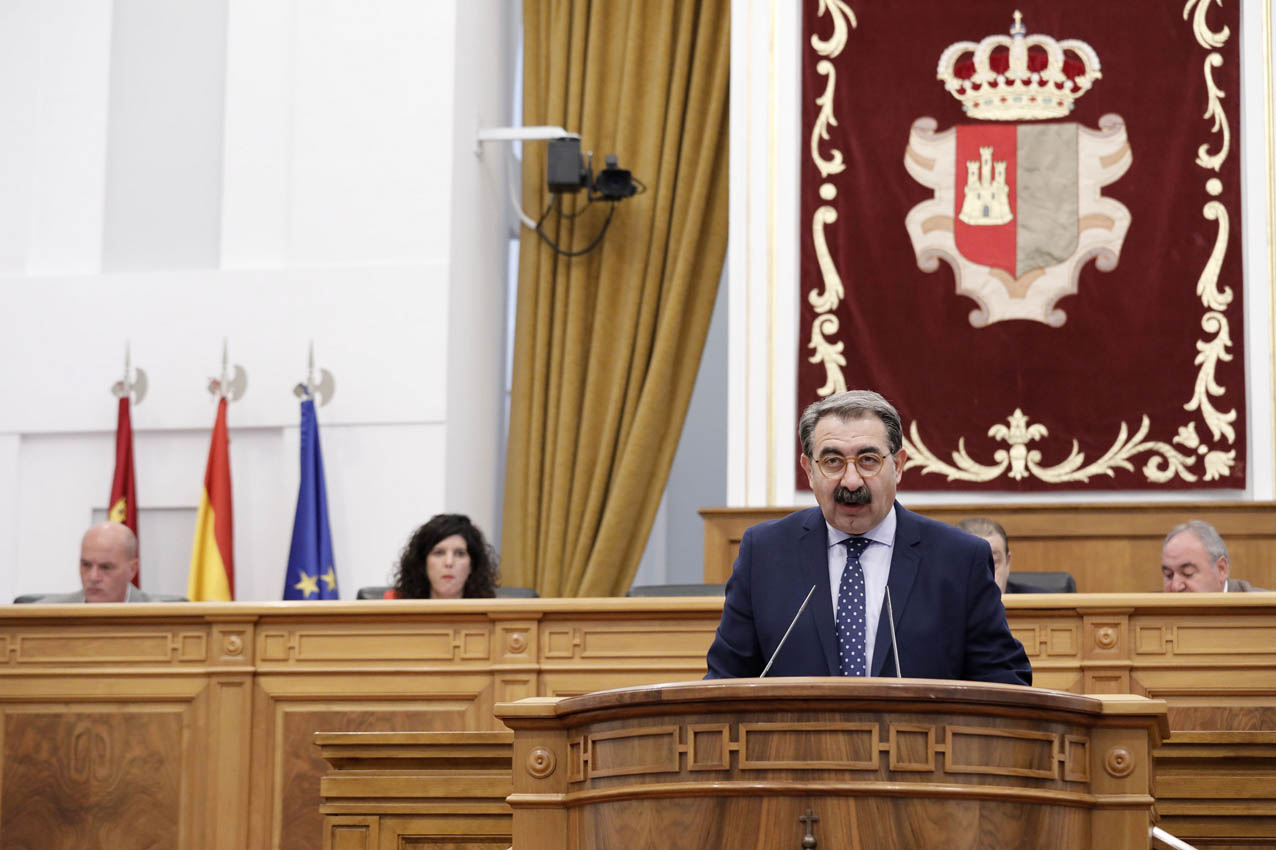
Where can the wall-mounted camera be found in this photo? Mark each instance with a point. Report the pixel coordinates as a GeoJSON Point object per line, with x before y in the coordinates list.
{"type": "Point", "coordinates": [567, 172]}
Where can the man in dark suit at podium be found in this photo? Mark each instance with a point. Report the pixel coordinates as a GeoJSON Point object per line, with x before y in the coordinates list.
{"type": "Point", "coordinates": [948, 616]}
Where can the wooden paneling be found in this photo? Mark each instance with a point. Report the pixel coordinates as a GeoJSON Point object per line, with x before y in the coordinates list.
{"type": "Point", "coordinates": [436, 790]}
{"type": "Point", "coordinates": [208, 711]}
{"type": "Point", "coordinates": [1209, 785]}
{"type": "Point", "coordinates": [92, 777]}
{"type": "Point", "coordinates": [877, 763]}
{"type": "Point", "coordinates": [1108, 548]}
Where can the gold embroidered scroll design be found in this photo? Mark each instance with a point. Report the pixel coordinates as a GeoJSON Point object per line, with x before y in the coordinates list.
{"type": "Point", "coordinates": [1215, 302]}
{"type": "Point", "coordinates": [825, 325]}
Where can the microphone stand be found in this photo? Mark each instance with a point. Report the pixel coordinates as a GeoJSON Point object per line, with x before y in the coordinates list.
{"type": "Point", "coordinates": [780, 645]}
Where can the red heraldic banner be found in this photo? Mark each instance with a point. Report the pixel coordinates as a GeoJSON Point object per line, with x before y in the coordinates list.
{"type": "Point", "coordinates": [1022, 225]}
{"type": "Point", "coordinates": [123, 503]}
{"type": "Point", "coordinates": [212, 573]}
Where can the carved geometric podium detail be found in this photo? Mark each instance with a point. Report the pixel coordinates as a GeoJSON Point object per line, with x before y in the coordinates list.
{"type": "Point", "coordinates": [1047, 640]}
{"type": "Point", "coordinates": [1037, 754]}
{"type": "Point", "coordinates": [1118, 762]}
{"type": "Point", "coordinates": [61, 648]}
{"type": "Point", "coordinates": [912, 747]}
{"type": "Point", "coordinates": [909, 747]}
{"type": "Point", "coordinates": [339, 645]}
{"type": "Point", "coordinates": [709, 746]}
{"type": "Point", "coordinates": [541, 762]}
{"type": "Point", "coordinates": [626, 642]}
{"type": "Point", "coordinates": [1076, 758]}
{"type": "Point", "coordinates": [632, 753]}
{"type": "Point", "coordinates": [856, 743]}
{"type": "Point", "coordinates": [875, 762]}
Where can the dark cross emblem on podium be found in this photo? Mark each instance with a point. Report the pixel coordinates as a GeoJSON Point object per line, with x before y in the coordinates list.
{"type": "Point", "coordinates": [809, 820]}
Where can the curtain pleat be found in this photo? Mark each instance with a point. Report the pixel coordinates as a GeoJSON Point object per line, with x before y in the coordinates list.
{"type": "Point", "coordinates": [607, 345]}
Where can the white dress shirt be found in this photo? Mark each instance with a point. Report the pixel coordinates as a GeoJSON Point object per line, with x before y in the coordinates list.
{"type": "Point", "coordinates": [876, 563]}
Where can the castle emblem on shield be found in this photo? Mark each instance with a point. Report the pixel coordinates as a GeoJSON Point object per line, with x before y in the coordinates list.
{"type": "Point", "coordinates": [1018, 207]}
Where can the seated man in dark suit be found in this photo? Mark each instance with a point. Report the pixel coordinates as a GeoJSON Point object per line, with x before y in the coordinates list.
{"type": "Point", "coordinates": [1194, 560]}
{"type": "Point", "coordinates": [948, 617]}
{"type": "Point", "coordinates": [108, 562]}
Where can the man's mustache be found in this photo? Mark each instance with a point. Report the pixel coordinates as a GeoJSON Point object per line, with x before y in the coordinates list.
{"type": "Point", "coordinates": [847, 496]}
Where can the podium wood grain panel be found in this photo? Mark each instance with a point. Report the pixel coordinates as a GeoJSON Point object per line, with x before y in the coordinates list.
{"type": "Point", "coordinates": [736, 824]}
{"type": "Point", "coordinates": [102, 777]}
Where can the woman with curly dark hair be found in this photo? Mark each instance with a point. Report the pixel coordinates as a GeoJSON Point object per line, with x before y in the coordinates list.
{"type": "Point", "coordinates": [447, 558]}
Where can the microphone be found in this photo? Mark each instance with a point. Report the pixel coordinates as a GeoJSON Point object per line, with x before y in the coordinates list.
{"type": "Point", "coordinates": [890, 618]}
{"type": "Point", "coordinates": [780, 645]}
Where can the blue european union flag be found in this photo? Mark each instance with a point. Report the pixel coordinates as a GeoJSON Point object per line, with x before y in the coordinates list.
{"type": "Point", "coordinates": [311, 574]}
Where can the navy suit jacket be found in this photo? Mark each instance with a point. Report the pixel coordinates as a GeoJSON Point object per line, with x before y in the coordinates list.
{"type": "Point", "coordinates": [949, 619]}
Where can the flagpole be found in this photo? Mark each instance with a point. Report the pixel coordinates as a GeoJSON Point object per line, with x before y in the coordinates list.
{"type": "Point", "coordinates": [212, 568]}
{"type": "Point", "coordinates": [311, 570]}
{"type": "Point", "coordinates": [311, 389]}
{"type": "Point", "coordinates": [121, 507]}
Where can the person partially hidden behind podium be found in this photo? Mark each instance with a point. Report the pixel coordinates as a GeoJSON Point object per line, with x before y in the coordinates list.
{"type": "Point", "coordinates": [108, 562]}
{"type": "Point", "coordinates": [991, 531]}
{"type": "Point", "coordinates": [1194, 560]}
{"type": "Point", "coordinates": [948, 616]}
{"type": "Point", "coordinates": [447, 558]}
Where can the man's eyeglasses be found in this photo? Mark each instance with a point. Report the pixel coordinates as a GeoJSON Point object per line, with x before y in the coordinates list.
{"type": "Point", "coordinates": [867, 464]}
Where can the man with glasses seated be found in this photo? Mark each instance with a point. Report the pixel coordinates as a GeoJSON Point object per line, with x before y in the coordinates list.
{"type": "Point", "coordinates": [858, 542]}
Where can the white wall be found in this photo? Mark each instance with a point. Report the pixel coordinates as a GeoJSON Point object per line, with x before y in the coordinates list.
{"type": "Point", "coordinates": [345, 208]}
{"type": "Point", "coordinates": [479, 257]}
{"type": "Point", "coordinates": [164, 134]}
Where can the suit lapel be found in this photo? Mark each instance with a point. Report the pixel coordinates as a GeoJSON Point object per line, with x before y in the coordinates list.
{"type": "Point", "coordinates": [905, 559]}
{"type": "Point", "coordinates": [814, 558]}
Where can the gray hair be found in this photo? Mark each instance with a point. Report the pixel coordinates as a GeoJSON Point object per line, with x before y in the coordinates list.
{"type": "Point", "coordinates": [981, 526]}
{"type": "Point", "coordinates": [852, 404]}
{"type": "Point", "coordinates": [1206, 533]}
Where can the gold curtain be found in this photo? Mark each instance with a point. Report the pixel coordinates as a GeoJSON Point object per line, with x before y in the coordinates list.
{"type": "Point", "coordinates": [607, 345]}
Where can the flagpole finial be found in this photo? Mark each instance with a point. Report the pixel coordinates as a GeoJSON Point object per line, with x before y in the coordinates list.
{"type": "Point", "coordinates": [310, 389]}
{"type": "Point", "coordinates": [134, 381]}
{"type": "Point", "coordinates": [229, 385]}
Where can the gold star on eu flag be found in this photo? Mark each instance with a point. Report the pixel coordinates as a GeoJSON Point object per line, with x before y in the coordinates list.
{"type": "Point", "coordinates": [309, 584]}
{"type": "Point", "coordinates": [330, 578]}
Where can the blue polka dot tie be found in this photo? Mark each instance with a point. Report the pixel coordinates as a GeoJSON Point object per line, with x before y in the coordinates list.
{"type": "Point", "coordinates": [850, 611]}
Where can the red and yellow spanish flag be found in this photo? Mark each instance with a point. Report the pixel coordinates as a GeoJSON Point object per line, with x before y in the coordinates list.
{"type": "Point", "coordinates": [212, 576]}
{"type": "Point", "coordinates": [123, 503]}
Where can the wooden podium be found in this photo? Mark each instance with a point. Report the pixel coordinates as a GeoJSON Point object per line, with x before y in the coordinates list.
{"type": "Point", "coordinates": [840, 764]}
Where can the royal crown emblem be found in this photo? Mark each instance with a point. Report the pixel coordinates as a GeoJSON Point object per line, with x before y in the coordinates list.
{"type": "Point", "coordinates": [1020, 76]}
{"type": "Point", "coordinates": [1018, 208]}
